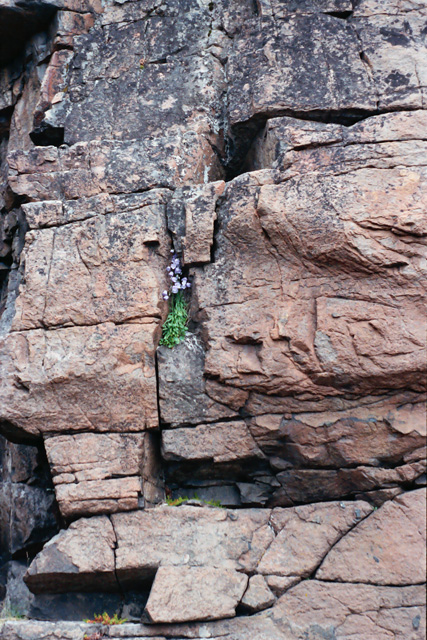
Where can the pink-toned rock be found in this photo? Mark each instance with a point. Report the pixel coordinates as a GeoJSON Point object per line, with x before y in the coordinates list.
{"type": "Point", "coordinates": [388, 548]}
{"type": "Point", "coordinates": [99, 378]}
{"type": "Point", "coordinates": [200, 215]}
{"type": "Point", "coordinates": [82, 557]}
{"type": "Point", "coordinates": [345, 611]}
{"type": "Point", "coordinates": [96, 473]}
{"type": "Point", "coordinates": [280, 584]}
{"type": "Point", "coordinates": [97, 270]}
{"type": "Point", "coordinates": [330, 437]}
{"type": "Point", "coordinates": [220, 442]}
{"type": "Point", "coordinates": [305, 535]}
{"type": "Point", "coordinates": [258, 595]}
{"type": "Point", "coordinates": [189, 536]}
{"type": "Point", "coordinates": [181, 594]}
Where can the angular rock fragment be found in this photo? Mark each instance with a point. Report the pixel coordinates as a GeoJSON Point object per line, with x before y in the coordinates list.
{"type": "Point", "coordinates": [388, 548]}
{"type": "Point", "coordinates": [78, 559]}
{"type": "Point", "coordinates": [97, 270]}
{"type": "Point", "coordinates": [183, 395]}
{"type": "Point", "coordinates": [280, 584]}
{"type": "Point", "coordinates": [181, 594]}
{"type": "Point", "coordinates": [258, 595]}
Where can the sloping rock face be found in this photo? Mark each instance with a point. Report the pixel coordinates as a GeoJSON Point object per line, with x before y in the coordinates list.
{"type": "Point", "coordinates": [280, 148]}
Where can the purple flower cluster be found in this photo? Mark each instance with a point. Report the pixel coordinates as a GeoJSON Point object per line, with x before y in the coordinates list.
{"type": "Point", "coordinates": [178, 282]}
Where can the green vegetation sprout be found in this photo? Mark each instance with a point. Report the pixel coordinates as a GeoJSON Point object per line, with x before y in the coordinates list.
{"type": "Point", "coordinates": [175, 326]}
{"type": "Point", "coordinates": [104, 618]}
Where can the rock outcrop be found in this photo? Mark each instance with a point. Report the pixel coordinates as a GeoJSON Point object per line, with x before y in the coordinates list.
{"type": "Point", "coordinates": [279, 148]}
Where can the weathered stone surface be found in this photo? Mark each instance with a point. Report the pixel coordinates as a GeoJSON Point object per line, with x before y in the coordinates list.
{"type": "Point", "coordinates": [387, 548]}
{"type": "Point", "coordinates": [371, 61]}
{"type": "Point", "coordinates": [312, 609]}
{"type": "Point", "coordinates": [307, 46]}
{"type": "Point", "coordinates": [17, 596]}
{"type": "Point", "coordinates": [182, 387]}
{"type": "Point", "coordinates": [303, 379]}
{"type": "Point", "coordinates": [200, 216]}
{"type": "Point", "coordinates": [330, 437]}
{"type": "Point", "coordinates": [304, 312]}
{"type": "Point", "coordinates": [305, 535]}
{"type": "Point", "coordinates": [103, 269]}
{"type": "Point", "coordinates": [27, 505]}
{"type": "Point", "coordinates": [46, 377]}
{"type": "Point", "coordinates": [257, 596]}
{"type": "Point", "coordinates": [319, 609]}
{"type": "Point", "coordinates": [189, 536]}
{"type": "Point", "coordinates": [79, 558]}
{"type": "Point", "coordinates": [96, 473]}
{"type": "Point", "coordinates": [393, 48]}
{"type": "Point", "coordinates": [280, 584]}
{"type": "Point", "coordinates": [220, 442]}
{"type": "Point", "coordinates": [180, 594]}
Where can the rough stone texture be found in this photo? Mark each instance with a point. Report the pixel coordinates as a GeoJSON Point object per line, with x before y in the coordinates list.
{"type": "Point", "coordinates": [286, 542]}
{"type": "Point", "coordinates": [27, 509]}
{"type": "Point", "coordinates": [46, 372]}
{"type": "Point", "coordinates": [180, 594]}
{"type": "Point", "coordinates": [388, 548]}
{"type": "Point", "coordinates": [257, 596]}
{"type": "Point", "coordinates": [312, 312]}
{"type": "Point", "coordinates": [192, 210]}
{"type": "Point", "coordinates": [373, 60]}
{"type": "Point", "coordinates": [280, 147]}
{"type": "Point", "coordinates": [312, 609]}
{"type": "Point", "coordinates": [221, 442]}
{"type": "Point", "coordinates": [352, 610]}
{"type": "Point", "coordinates": [96, 473]}
{"type": "Point", "coordinates": [81, 556]}
{"type": "Point", "coordinates": [306, 533]}
{"type": "Point", "coordinates": [193, 536]}
{"type": "Point", "coordinates": [182, 378]}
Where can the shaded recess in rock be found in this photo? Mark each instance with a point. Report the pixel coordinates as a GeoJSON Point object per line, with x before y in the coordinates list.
{"type": "Point", "coordinates": [241, 136]}
{"type": "Point", "coordinates": [19, 20]}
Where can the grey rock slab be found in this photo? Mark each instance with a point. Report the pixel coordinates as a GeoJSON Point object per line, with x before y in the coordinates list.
{"type": "Point", "coordinates": [182, 387]}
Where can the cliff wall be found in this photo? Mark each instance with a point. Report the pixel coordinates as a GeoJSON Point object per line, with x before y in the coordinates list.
{"type": "Point", "coordinates": [279, 148]}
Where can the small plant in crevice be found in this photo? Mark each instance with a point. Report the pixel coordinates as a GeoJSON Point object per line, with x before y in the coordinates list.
{"type": "Point", "coordinates": [176, 502]}
{"type": "Point", "coordinates": [104, 618]}
{"type": "Point", "coordinates": [11, 613]}
{"type": "Point", "coordinates": [175, 327]}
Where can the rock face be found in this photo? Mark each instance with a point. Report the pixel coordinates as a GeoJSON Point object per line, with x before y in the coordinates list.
{"type": "Point", "coordinates": [363, 556]}
{"type": "Point", "coordinates": [27, 509]}
{"type": "Point", "coordinates": [279, 148]}
{"type": "Point", "coordinates": [195, 593]}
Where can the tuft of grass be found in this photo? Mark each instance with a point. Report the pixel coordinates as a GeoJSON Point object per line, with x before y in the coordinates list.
{"type": "Point", "coordinates": [178, 501]}
{"type": "Point", "coordinates": [11, 613]}
{"type": "Point", "coordinates": [104, 618]}
{"type": "Point", "coordinates": [175, 327]}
